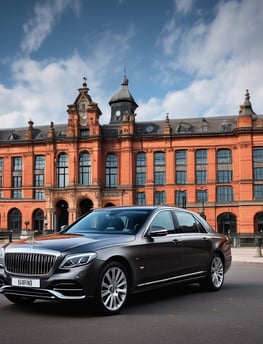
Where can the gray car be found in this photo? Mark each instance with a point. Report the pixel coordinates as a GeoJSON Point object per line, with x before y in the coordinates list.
{"type": "Point", "coordinates": [113, 252]}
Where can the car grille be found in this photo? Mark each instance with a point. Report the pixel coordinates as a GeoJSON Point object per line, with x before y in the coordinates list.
{"type": "Point", "coordinates": [29, 263]}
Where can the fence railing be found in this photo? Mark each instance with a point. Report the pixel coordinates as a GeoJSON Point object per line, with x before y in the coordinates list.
{"type": "Point", "coordinates": [245, 240]}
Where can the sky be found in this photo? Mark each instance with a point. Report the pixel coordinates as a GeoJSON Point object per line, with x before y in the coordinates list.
{"type": "Point", "coordinates": [185, 58]}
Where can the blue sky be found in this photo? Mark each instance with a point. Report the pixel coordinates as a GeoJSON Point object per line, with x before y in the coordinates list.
{"type": "Point", "coordinates": [187, 58]}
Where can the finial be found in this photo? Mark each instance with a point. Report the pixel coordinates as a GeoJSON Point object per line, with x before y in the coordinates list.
{"type": "Point", "coordinates": [84, 82]}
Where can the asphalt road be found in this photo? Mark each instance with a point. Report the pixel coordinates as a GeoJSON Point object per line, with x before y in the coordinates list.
{"type": "Point", "coordinates": [172, 315]}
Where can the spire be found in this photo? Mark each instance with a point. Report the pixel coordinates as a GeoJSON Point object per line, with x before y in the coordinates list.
{"type": "Point", "coordinates": [84, 82]}
{"type": "Point", "coordinates": [246, 108]}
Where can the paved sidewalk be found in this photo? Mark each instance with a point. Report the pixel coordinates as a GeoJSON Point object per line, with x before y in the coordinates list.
{"type": "Point", "coordinates": [247, 255]}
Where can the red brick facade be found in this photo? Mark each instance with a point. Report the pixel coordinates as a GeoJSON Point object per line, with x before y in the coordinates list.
{"type": "Point", "coordinates": [51, 175]}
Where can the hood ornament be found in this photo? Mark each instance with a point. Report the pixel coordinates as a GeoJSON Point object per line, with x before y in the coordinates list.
{"type": "Point", "coordinates": [31, 239]}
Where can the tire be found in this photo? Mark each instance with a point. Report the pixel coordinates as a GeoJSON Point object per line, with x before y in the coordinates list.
{"type": "Point", "coordinates": [19, 299]}
{"type": "Point", "coordinates": [112, 291]}
{"type": "Point", "coordinates": [215, 274]}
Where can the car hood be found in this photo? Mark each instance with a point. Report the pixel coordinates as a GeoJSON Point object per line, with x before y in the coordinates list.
{"type": "Point", "coordinates": [70, 242]}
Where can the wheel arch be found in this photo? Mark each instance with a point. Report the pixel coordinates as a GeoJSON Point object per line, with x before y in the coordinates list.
{"type": "Point", "coordinates": [123, 261]}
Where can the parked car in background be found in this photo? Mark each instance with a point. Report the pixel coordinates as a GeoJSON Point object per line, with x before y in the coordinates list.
{"type": "Point", "coordinates": [113, 252]}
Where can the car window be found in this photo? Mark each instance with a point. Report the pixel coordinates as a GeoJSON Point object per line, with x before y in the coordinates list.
{"type": "Point", "coordinates": [164, 219]}
{"type": "Point", "coordinates": [187, 222]}
{"type": "Point", "coordinates": [110, 221]}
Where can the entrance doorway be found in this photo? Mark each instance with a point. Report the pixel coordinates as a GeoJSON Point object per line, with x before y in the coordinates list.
{"type": "Point", "coordinates": [62, 214]}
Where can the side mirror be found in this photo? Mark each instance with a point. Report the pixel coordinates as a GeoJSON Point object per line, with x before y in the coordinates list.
{"type": "Point", "coordinates": [156, 231]}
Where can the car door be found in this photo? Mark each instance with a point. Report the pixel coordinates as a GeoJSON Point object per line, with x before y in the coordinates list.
{"type": "Point", "coordinates": [195, 242]}
{"type": "Point", "coordinates": [161, 252]}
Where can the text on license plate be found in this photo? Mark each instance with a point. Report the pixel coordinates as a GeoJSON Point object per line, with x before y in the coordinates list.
{"type": "Point", "coordinates": [26, 282]}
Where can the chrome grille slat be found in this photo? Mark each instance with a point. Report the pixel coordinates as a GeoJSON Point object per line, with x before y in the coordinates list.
{"type": "Point", "coordinates": [29, 263]}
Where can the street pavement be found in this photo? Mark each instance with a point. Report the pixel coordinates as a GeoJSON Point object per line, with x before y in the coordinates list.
{"type": "Point", "coordinates": [247, 255]}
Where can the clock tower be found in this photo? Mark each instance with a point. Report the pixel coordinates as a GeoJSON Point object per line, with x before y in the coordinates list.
{"type": "Point", "coordinates": [122, 103]}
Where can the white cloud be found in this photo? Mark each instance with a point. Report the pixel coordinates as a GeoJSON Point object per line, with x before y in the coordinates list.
{"type": "Point", "coordinates": [37, 28]}
{"type": "Point", "coordinates": [184, 6]}
{"type": "Point", "coordinates": [223, 57]}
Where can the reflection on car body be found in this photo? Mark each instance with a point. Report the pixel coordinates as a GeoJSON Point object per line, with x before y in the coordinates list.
{"type": "Point", "coordinates": [112, 252]}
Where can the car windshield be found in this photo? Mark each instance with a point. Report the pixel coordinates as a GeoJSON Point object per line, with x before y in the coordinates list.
{"type": "Point", "coordinates": [116, 221]}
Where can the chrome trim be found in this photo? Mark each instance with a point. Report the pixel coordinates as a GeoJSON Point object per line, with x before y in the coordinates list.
{"type": "Point", "coordinates": [171, 278]}
{"type": "Point", "coordinates": [53, 294]}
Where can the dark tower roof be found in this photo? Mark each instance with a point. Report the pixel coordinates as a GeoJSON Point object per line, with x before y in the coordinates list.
{"type": "Point", "coordinates": [246, 108]}
{"type": "Point", "coordinates": [123, 95]}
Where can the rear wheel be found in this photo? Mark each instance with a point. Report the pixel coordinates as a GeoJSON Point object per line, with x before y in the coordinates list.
{"type": "Point", "coordinates": [112, 289]}
{"type": "Point", "coordinates": [19, 299]}
{"type": "Point", "coordinates": [215, 274]}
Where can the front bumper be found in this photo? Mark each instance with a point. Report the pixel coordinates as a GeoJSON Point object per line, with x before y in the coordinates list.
{"type": "Point", "coordinates": [74, 284]}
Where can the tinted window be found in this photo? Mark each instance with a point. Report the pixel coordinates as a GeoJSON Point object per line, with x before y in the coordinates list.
{"type": "Point", "coordinates": [110, 221]}
{"type": "Point", "coordinates": [164, 219]}
{"type": "Point", "coordinates": [187, 222]}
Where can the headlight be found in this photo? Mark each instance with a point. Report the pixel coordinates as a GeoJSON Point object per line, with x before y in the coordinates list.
{"type": "Point", "coordinates": [2, 256]}
{"type": "Point", "coordinates": [74, 260]}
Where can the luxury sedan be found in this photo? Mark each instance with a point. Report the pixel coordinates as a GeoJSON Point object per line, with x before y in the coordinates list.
{"type": "Point", "coordinates": [112, 252]}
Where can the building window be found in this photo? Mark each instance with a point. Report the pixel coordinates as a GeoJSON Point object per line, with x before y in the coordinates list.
{"type": "Point", "coordinates": [140, 169]}
{"type": "Point", "coordinates": [224, 194]}
{"type": "Point", "coordinates": [17, 163]}
{"type": "Point", "coordinates": [258, 173]}
{"type": "Point", "coordinates": [15, 220]}
{"type": "Point", "coordinates": [258, 154]}
{"type": "Point", "coordinates": [258, 163]}
{"type": "Point", "coordinates": [111, 172]}
{"type": "Point", "coordinates": [201, 177]}
{"type": "Point", "coordinates": [201, 157]}
{"type": "Point", "coordinates": [140, 198]}
{"type": "Point", "coordinates": [180, 177]}
{"type": "Point", "coordinates": [201, 196]}
{"type": "Point", "coordinates": [62, 170]}
{"type": "Point", "coordinates": [16, 177]}
{"type": "Point", "coordinates": [84, 169]}
{"type": "Point", "coordinates": [258, 192]}
{"type": "Point", "coordinates": [181, 166]}
{"type": "Point", "coordinates": [39, 176]}
{"type": "Point", "coordinates": [84, 132]}
{"type": "Point", "coordinates": [224, 176]}
{"type": "Point", "coordinates": [159, 168]}
{"type": "Point", "coordinates": [201, 166]}
{"type": "Point", "coordinates": [180, 198]}
{"type": "Point", "coordinates": [224, 166]}
{"type": "Point", "coordinates": [1, 173]}
{"type": "Point", "coordinates": [159, 198]}
{"type": "Point", "coordinates": [224, 156]}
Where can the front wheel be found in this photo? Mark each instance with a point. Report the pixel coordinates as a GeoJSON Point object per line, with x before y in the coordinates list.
{"type": "Point", "coordinates": [215, 274]}
{"type": "Point", "coordinates": [112, 289]}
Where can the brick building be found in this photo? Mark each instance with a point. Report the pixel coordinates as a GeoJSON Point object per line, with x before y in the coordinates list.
{"type": "Point", "coordinates": [51, 175]}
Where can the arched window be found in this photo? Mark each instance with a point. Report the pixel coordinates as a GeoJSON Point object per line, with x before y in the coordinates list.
{"type": "Point", "coordinates": [84, 169]}
{"type": "Point", "coordinates": [62, 170]}
{"type": "Point", "coordinates": [140, 169]}
{"type": "Point", "coordinates": [15, 220]}
{"type": "Point", "coordinates": [111, 173]}
{"type": "Point", "coordinates": [38, 221]}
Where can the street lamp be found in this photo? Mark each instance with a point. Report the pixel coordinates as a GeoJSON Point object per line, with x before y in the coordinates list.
{"type": "Point", "coordinates": [203, 204]}
{"type": "Point", "coordinates": [26, 224]}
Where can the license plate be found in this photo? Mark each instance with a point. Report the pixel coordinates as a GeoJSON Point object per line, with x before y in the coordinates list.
{"type": "Point", "coordinates": [26, 282]}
